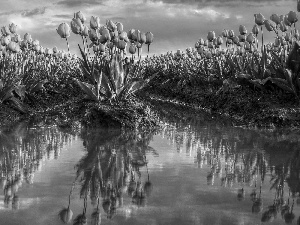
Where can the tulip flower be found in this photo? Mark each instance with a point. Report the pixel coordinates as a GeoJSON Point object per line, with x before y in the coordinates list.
{"type": "Point", "coordinates": [219, 40]}
{"type": "Point", "coordinates": [201, 41]}
{"type": "Point", "coordinates": [85, 31]}
{"type": "Point", "coordinates": [5, 31]}
{"type": "Point", "coordinates": [95, 22]}
{"type": "Point", "coordinates": [16, 38]}
{"type": "Point", "coordinates": [250, 38]}
{"type": "Point", "coordinates": [64, 32]}
{"type": "Point", "coordinates": [119, 27]}
{"type": "Point", "coordinates": [5, 40]}
{"type": "Point", "coordinates": [132, 49]}
{"type": "Point", "coordinates": [259, 19]}
{"type": "Point", "coordinates": [102, 47]}
{"type": "Point", "coordinates": [235, 40]}
{"type": "Point", "coordinates": [242, 30]}
{"type": "Point", "coordinates": [275, 18]}
{"type": "Point", "coordinates": [149, 39]}
{"type": "Point", "coordinates": [255, 29]}
{"type": "Point", "coordinates": [94, 35]}
{"type": "Point", "coordinates": [225, 33]}
{"type": "Point", "coordinates": [142, 38]}
{"type": "Point", "coordinates": [292, 17]}
{"type": "Point", "coordinates": [211, 36]}
{"type": "Point", "coordinates": [121, 44]}
{"type": "Point", "coordinates": [242, 38]}
{"type": "Point", "coordinates": [286, 21]}
{"type": "Point", "coordinates": [123, 36]}
{"type": "Point", "coordinates": [79, 15]}
{"type": "Point", "coordinates": [111, 26]}
{"type": "Point", "coordinates": [282, 27]}
{"type": "Point", "coordinates": [76, 26]}
{"type": "Point", "coordinates": [35, 42]}
{"type": "Point", "coordinates": [12, 46]}
{"type": "Point", "coordinates": [55, 50]}
{"type": "Point", "coordinates": [129, 34]}
{"type": "Point", "coordinates": [13, 28]}
{"type": "Point", "coordinates": [230, 34]}
{"type": "Point", "coordinates": [270, 25]}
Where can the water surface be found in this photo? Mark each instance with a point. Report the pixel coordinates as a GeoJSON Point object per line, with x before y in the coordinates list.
{"type": "Point", "coordinates": [190, 172]}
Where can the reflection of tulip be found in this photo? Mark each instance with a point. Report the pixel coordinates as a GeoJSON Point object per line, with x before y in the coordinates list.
{"type": "Point", "coordinates": [66, 215]}
{"type": "Point", "coordinates": [96, 217]}
{"type": "Point", "coordinates": [80, 220]}
{"type": "Point", "coordinates": [257, 206]}
{"type": "Point", "coordinates": [241, 194]}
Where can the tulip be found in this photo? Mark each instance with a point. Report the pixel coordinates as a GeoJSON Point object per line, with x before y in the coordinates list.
{"type": "Point", "coordinates": [85, 31]}
{"type": "Point", "coordinates": [235, 40]}
{"type": "Point", "coordinates": [275, 18]}
{"type": "Point", "coordinates": [282, 27]}
{"type": "Point", "coordinates": [270, 25]}
{"type": "Point", "coordinates": [102, 39]}
{"type": "Point", "coordinates": [277, 42]}
{"type": "Point", "coordinates": [13, 28]}
{"type": "Point", "coordinates": [255, 29]}
{"type": "Point", "coordinates": [142, 38]}
{"type": "Point", "coordinates": [95, 22]}
{"type": "Point", "coordinates": [129, 34]}
{"type": "Point", "coordinates": [119, 27]}
{"type": "Point", "coordinates": [211, 36]}
{"type": "Point", "coordinates": [292, 17]}
{"type": "Point", "coordinates": [132, 49]}
{"type": "Point", "coordinates": [79, 15]}
{"type": "Point", "coordinates": [5, 40]}
{"type": "Point", "coordinates": [12, 46]}
{"type": "Point", "coordinates": [102, 47]}
{"type": "Point", "coordinates": [94, 35]}
{"type": "Point", "coordinates": [55, 50]}
{"type": "Point", "coordinates": [197, 45]}
{"type": "Point", "coordinates": [242, 38]}
{"type": "Point", "coordinates": [149, 39]}
{"type": "Point", "coordinates": [225, 33]}
{"type": "Point", "coordinates": [250, 38]}
{"type": "Point", "coordinates": [201, 41]}
{"type": "Point", "coordinates": [111, 26]}
{"type": "Point", "coordinates": [123, 35]}
{"type": "Point", "coordinates": [63, 30]}
{"type": "Point", "coordinates": [17, 38]}
{"type": "Point", "coordinates": [219, 40]}
{"type": "Point", "coordinates": [136, 35]}
{"type": "Point", "coordinates": [259, 19]}
{"type": "Point", "coordinates": [230, 34]}
{"type": "Point", "coordinates": [76, 26]}
{"type": "Point", "coordinates": [102, 28]}
{"type": "Point", "coordinates": [121, 44]}
{"type": "Point", "coordinates": [242, 30]}
{"type": "Point", "coordinates": [5, 31]}
{"type": "Point", "coordinates": [288, 37]}
{"type": "Point", "coordinates": [35, 42]}
{"type": "Point", "coordinates": [66, 215]}
{"type": "Point", "coordinates": [210, 44]}
{"type": "Point", "coordinates": [228, 41]}
{"type": "Point", "coordinates": [208, 54]}
{"type": "Point", "coordinates": [286, 21]}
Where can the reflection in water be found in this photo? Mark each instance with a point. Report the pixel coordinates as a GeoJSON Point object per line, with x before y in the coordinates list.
{"type": "Point", "coordinates": [110, 172]}
{"type": "Point", "coordinates": [21, 152]}
{"type": "Point", "coordinates": [227, 154]}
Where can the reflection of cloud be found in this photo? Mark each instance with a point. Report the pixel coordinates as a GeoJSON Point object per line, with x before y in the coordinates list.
{"type": "Point", "coordinates": [36, 11]}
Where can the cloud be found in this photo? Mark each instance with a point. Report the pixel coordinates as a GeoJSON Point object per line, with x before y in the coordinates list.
{"type": "Point", "coordinates": [79, 3]}
{"type": "Point", "coordinates": [36, 11]}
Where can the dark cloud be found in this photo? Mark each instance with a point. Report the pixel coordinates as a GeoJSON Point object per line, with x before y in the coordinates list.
{"type": "Point", "coordinates": [80, 3]}
{"type": "Point", "coordinates": [33, 12]}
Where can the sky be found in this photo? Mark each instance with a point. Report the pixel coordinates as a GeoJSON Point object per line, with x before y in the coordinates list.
{"type": "Point", "coordinates": [176, 24]}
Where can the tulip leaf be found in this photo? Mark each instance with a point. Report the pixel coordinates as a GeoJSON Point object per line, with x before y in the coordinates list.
{"type": "Point", "coordinates": [88, 89]}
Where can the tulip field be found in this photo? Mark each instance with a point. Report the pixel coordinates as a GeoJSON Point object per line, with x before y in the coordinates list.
{"type": "Point", "coordinates": [229, 73]}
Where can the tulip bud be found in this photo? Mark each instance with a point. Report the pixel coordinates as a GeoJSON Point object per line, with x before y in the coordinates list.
{"type": "Point", "coordinates": [242, 30]}
{"type": "Point", "coordinates": [132, 49]}
{"type": "Point", "coordinates": [111, 26]}
{"type": "Point", "coordinates": [255, 29]}
{"type": "Point", "coordinates": [225, 33]}
{"type": "Point", "coordinates": [219, 40]}
{"type": "Point", "coordinates": [13, 28]}
{"type": "Point", "coordinates": [119, 27]}
{"type": "Point", "coordinates": [85, 31]}
{"type": "Point", "coordinates": [93, 35]}
{"type": "Point", "coordinates": [270, 25]}
{"type": "Point", "coordinates": [242, 38]}
{"type": "Point", "coordinates": [259, 19]}
{"type": "Point", "coordinates": [79, 15]}
{"type": "Point", "coordinates": [95, 22]}
{"type": "Point", "coordinates": [275, 18]}
{"type": "Point", "coordinates": [250, 38]}
{"type": "Point", "coordinates": [142, 38]}
{"type": "Point", "coordinates": [282, 27]}
{"type": "Point", "coordinates": [292, 17]}
{"type": "Point", "coordinates": [286, 21]}
{"type": "Point", "coordinates": [121, 44]}
{"type": "Point", "coordinates": [5, 31]}
{"type": "Point", "coordinates": [76, 26]}
{"type": "Point", "coordinates": [63, 30]}
{"type": "Point", "coordinates": [211, 36]}
{"type": "Point", "coordinates": [149, 38]}
{"type": "Point", "coordinates": [55, 50]}
{"type": "Point", "coordinates": [35, 42]}
{"type": "Point", "coordinates": [230, 34]}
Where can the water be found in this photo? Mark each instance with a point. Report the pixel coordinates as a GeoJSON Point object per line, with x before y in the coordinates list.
{"type": "Point", "coordinates": [190, 172]}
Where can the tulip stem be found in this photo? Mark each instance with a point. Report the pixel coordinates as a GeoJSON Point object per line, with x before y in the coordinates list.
{"type": "Point", "coordinates": [262, 36]}
{"type": "Point", "coordinates": [68, 45]}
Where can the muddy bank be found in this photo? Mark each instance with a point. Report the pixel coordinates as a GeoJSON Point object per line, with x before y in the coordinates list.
{"type": "Point", "coordinates": [238, 105]}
